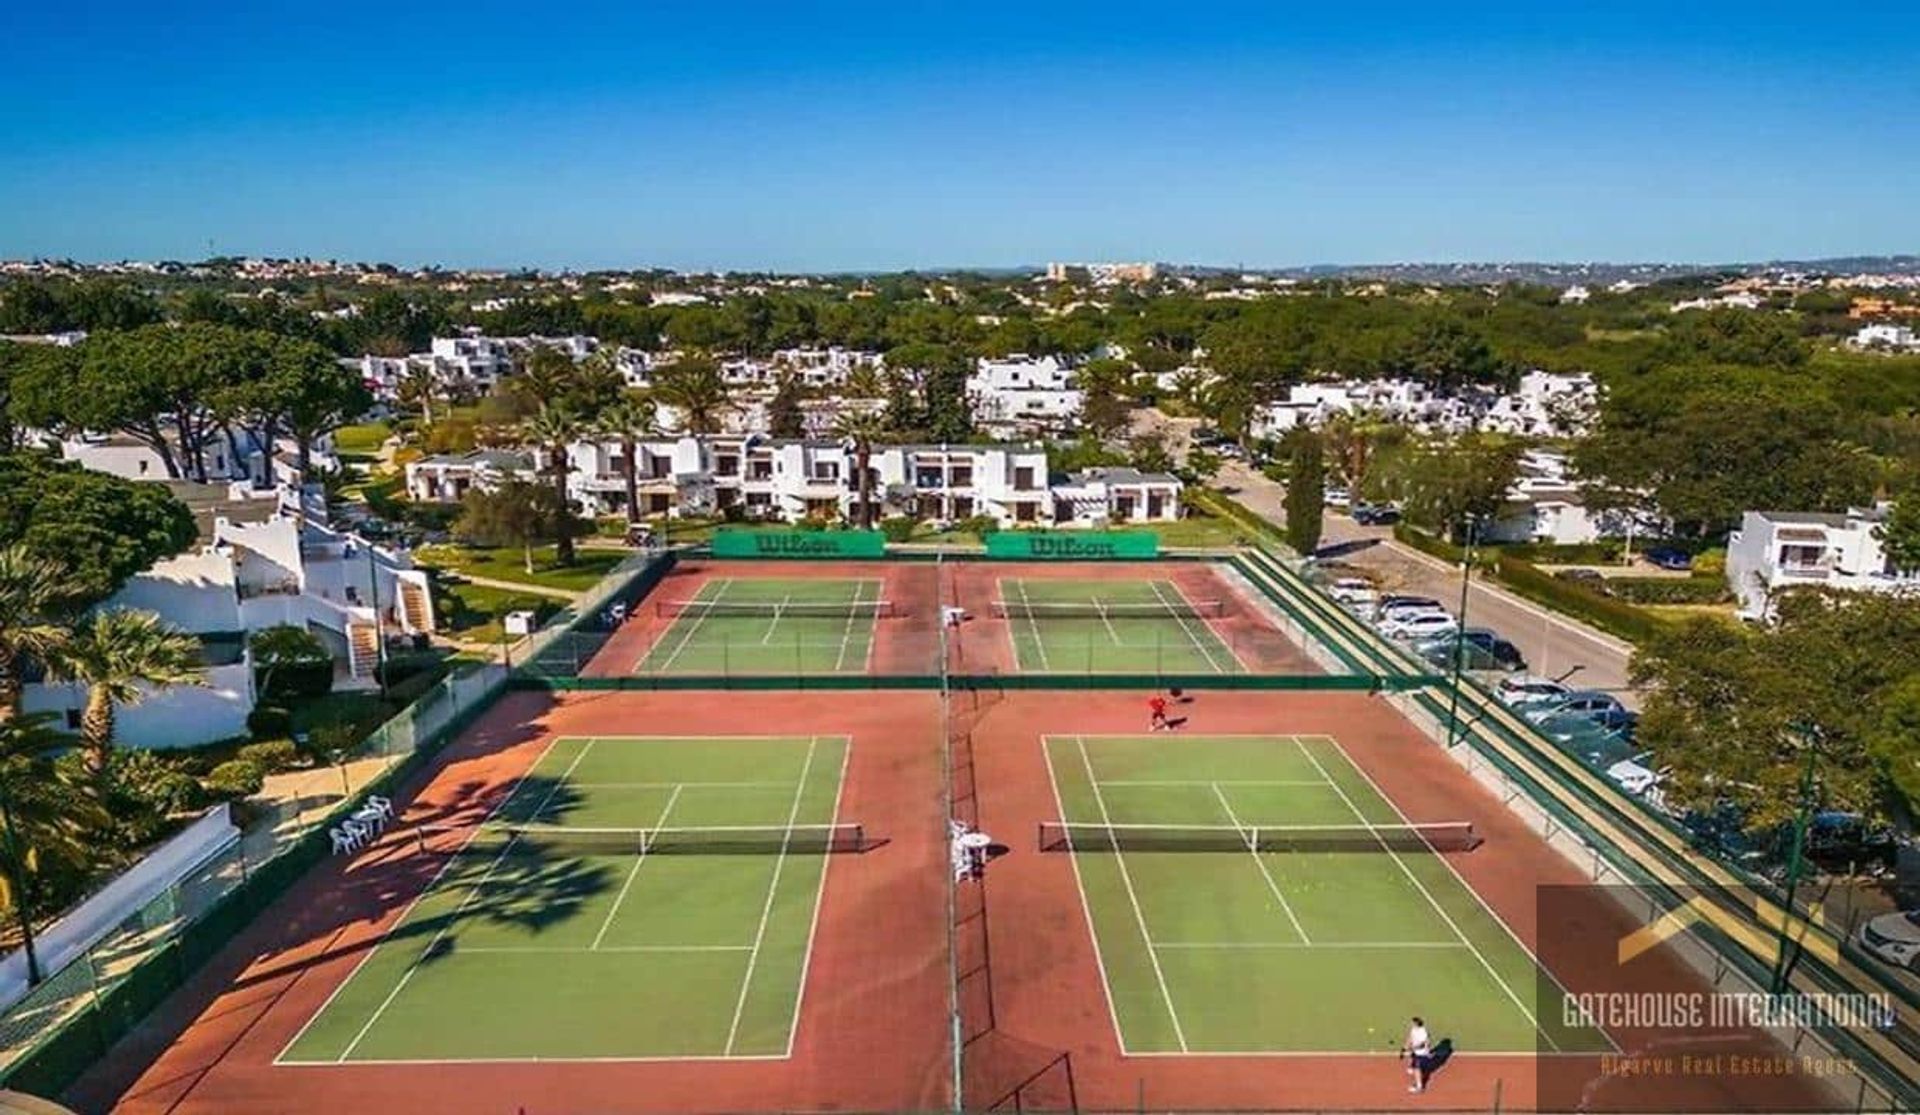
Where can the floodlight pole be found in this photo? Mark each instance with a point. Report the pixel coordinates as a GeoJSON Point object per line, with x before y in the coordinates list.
{"type": "Point", "coordinates": [1460, 633]}
{"type": "Point", "coordinates": [1796, 861]}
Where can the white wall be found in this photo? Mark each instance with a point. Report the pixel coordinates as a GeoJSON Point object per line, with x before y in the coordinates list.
{"type": "Point", "coordinates": [178, 716]}
{"type": "Point", "coordinates": [194, 592]}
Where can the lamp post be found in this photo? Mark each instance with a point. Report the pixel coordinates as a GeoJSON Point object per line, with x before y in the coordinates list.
{"type": "Point", "coordinates": [1460, 632]}
{"type": "Point", "coordinates": [379, 628]}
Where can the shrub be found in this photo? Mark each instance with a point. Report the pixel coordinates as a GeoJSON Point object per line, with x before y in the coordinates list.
{"type": "Point", "coordinates": [1671, 590]}
{"type": "Point", "coordinates": [981, 525]}
{"type": "Point", "coordinates": [269, 722]}
{"type": "Point", "coordinates": [236, 778]}
{"type": "Point", "coordinates": [273, 756]}
{"type": "Point", "coordinates": [1604, 552]}
{"type": "Point", "coordinates": [900, 528]}
{"type": "Point", "coordinates": [1711, 563]}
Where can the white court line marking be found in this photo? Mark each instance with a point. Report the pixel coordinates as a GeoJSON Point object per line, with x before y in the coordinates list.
{"type": "Point", "coordinates": [453, 918]}
{"type": "Point", "coordinates": [1224, 640]}
{"type": "Point", "coordinates": [778, 610]}
{"type": "Point", "coordinates": [819, 896]}
{"type": "Point", "coordinates": [565, 951]}
{"type": "Point", "coordinates": [1254, 851]}
{"type": "Point", "coordinates": [1191, 782]}
{"type": "Point", "coordinates": [722, 585]}
{"type": "Point", "coordinates": [1139, 916]}
{"type": "Point", "coordinates": [638, 860]}
{"type": "Point", "coordinates": [1422, 887]}
{"type": "Point", "coordinates": [1319, 945]}
{"type": "Point", "coordinates": [1174, 608]}
{"type": "Point", "coordinates": [1033, 626]}
{"type": "Point", "coordinates": [773, 888]}
{"type": "Point", "coordinates": [424, 891]}
{"type": "Point", "coordinates": [1100, 606]}
{"type": "Point", "coordinates": [846, 633]}
{"type": "Point", "coordinates": [1086, 907]}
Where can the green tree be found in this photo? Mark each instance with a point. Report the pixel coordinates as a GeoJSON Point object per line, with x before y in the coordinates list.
{"type": "Point", "coordinates": [120, 655]}
{"type": "Point", "coordinates": [285, 647]}
{"type": "Point", "coordinates": [418, 389]}
{"type": "Point", "coordinates": [1454, 483]}
{"type": "Point", "coordinates": [554, 429]}
{"type": "Point", "coordinates": [694, 388]}
{"type": "Point", "coordinates": [1306, 492]}
{"type": "Point", "coordinates": [784, 416]}
{"type": "Point", "coordinates": [309, 394]}
{"type": "Point", "coordinates": [1104, 408]}
{"type": "Point", "coordinates": [97, 529]}
{"type": "Point", "coordinates": [515, 513]}
{"type": "Point", "coordinates": [30, 596]}
{"type": "Point", "coordinates": [1900, 534]}
{"type": "Point", "coordinates": [47, 822]}
{"type": "Point", "coordinates": [862, 427]}
{"type": "Point", "coordinates": [1148, 453]}
{"type": "Point", "coordinates": [1732, 711]}
{"type": "Point", "coordinates": [630, 418]}
{"type": "Point", "coordinates": [1202, 465]}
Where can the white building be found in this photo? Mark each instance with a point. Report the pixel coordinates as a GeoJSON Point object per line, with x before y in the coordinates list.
{"type": "Point", "coordinates": [1099, 497]}
{"type": "Point", "coordinates": [243, 458]}
{"type": "Point", "coordinates": [469, 364]}
{"type": "Point", "coordinates": [1545, 504]}
{"type": "Point", "coordinates": [1020, 395]}
{"type": "Point", "coordinates": [1544, 404]}
{"type": "Point", "coordinates": [1886, 336]}
{"type": "Point", "coordinates": [347, 592]}
{"type": "Point", "coordinates": [788, 479]}
{"type": "Point", "coordinates": [1739, 300]}
{"type": "Point", "coordinates": [1775, 550]}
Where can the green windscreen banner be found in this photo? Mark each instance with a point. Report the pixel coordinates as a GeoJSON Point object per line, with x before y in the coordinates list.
{"type": "Point", "coordinates": [1073, 545]}
{"type": "Point", "coordinates": [733, 543]}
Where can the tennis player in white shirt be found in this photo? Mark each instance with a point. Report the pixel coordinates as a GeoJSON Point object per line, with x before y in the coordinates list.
{"type": "Point", "coordinates": [1419, 1054]}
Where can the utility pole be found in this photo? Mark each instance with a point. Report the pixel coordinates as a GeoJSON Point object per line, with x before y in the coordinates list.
{"type": "Point", "coordinates": [1795, 862]}
{"type": "Point", "coordinates": [1460, 632]}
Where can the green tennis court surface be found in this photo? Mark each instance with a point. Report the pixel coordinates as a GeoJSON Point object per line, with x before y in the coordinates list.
{"type": "Point", "coordinates": [556, 942]}
{"type": "Point", "coordinates": [1112, 627]}
{"type": "Point", "coordinates": [768, 626]}
{"type": "Point", "coordinates": [1329, 947]}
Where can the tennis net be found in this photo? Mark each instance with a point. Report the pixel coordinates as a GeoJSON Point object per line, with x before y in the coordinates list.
{"type": "Point", "coordinates": [1095, 609]}
{"type": "Point", "coordinates": [503, 839]}
{"type": "Point", "coordinates": [1444, 836]}
{"type": "Point", "coordinates": [771, 609]}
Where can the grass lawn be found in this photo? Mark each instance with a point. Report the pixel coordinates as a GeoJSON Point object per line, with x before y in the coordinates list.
{"type": "Point", "coordinates": [506, 563]}
{"type": "Point", "coordinates": [473, 613]}
{"type": "Point", "coordinates": [362, 440]}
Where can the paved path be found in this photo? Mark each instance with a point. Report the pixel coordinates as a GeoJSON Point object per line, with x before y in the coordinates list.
{"type": "Point", "coordinates": [516, 586]}
{"type": "Point", "coordinates": [1552, 643]}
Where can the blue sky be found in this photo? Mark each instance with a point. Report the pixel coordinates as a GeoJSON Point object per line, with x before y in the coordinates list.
{"type": "Point", "coordinates": [851, 135]}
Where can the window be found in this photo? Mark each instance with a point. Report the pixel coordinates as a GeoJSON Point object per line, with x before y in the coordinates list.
{"type": "Point", "coordinates": [726, 466]}
{"type": "Point", "coordinates": [143, 467]}
{"type": "Point", "coordinates": [1023, 479]}
{"type": "Point", "coordinates": [73, 720]}
{"type": "Point", "coordinates": [963, 477]}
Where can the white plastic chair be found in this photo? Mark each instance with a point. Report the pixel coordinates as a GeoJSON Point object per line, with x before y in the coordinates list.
{"type": "Point", "coordinates": [343, 841]}
{"type": "Point", "coordinates": [371, 817]}
{"type": "Point", "coordinates": [384, 805]}
{"type": "Point", "coordinates": [361, 831]}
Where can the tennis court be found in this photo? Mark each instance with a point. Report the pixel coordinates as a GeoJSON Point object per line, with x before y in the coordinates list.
{"type": "Point", "coordinates": [632, 898]}
{"type": "Point", "coordinates": [742, 625]}
{"type": "Point", "coordinates": [1143, 626]}
{"type": "Point", "coordinates": [1258, 894]}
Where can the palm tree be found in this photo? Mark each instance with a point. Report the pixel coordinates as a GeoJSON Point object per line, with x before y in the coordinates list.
{"type": "Point", "coordinates": [862, 427]}
{"type": "Point", "coordinates": [632, 417]}
{"type": "Point", "coordinates": [696, 389]}
{"type": "Point", "coordinates": [553, 429]}
{"type": "Point", "coordinates": [121, 654]}
{"type": "Point", "coordinates": [29, 595]}
{"type": "Point", "coordinates": [45, 818]}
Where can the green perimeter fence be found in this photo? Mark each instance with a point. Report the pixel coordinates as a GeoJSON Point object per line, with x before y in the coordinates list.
{"type": "Point", "coordinates": [1628, 839]}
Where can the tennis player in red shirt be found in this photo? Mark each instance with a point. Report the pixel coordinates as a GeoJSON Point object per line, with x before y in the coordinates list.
{"type": "Point", "coordinates": [1156, 713]}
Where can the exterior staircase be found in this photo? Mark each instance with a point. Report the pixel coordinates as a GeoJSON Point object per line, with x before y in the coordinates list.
{"type": "Point", "coordinates": [416, 607]}
{"type": "Point", "coordinates": [363, 649]}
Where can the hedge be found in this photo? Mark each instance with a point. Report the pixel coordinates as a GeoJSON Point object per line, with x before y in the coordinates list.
{"type": "Point", "coordinates": [1607, 613]}
{"type": "Point", "coordinates": [1237, 513]}
{"type": "Point", "coordinates": [1671, 590]}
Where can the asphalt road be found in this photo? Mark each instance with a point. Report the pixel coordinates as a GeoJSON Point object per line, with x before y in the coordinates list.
{"type": "Point", "coordinates": [1553, 644]}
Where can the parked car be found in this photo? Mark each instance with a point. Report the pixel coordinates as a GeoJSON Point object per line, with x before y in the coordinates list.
{"type": "Point", "coordinates": [1666, 557]}
{"type": "Point", "coordinates": [1376, 514]}
{"type": "Point", "coordinates": [1418, 625]}
{"type": "Point", "coordinates": [1353, 590]}
{"type": "Point", "coordinates": [1206, 436]}
{"type": "Point", "coordinates": [1400, 613]}
{"type": "Point", "coordinates": [1894, 938]}
{"type": "Point", "coordinates": [1526, 689]}
{"type": "Point", "coordinates": [1585, 578]}
{"type": "Point", "coordinates": [1582, 702]}
{"type": "Point", "coordinates": [1847, 844]}
{"type": "Point", "coordinates": [1392, 600]}
{"type": "Point", "coordinates": [1337, 497]}
{"type": "Point", "coordinates": [1487, 646]}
